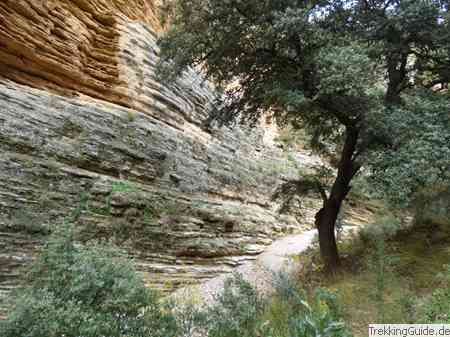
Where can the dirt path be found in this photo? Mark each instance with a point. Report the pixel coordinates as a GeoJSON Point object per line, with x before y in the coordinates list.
{"type": "Point", "coordinates": [259, 272]}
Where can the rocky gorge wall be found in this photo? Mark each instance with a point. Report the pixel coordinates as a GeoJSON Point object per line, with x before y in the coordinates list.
{"type": "Point", "coordinates": [84, 125]}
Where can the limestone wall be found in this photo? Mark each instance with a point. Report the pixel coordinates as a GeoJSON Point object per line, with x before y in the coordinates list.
{"type": "Point", "coordinates": [84, 124]}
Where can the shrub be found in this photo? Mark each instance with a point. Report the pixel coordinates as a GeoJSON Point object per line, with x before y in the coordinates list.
{"type": "Point", "coordinates": [321, 317]}
{"type": "Point", "coordinates": [385, 227]}
{"type": "Point", "coordinates": [74, 290]}
{"type": "Point", "coordinates": [437, 309]}
{"type": "Point", "coordinates": [432, 207]}
{"type": "Point", "coordinates": [241, 312]}
{"type": "Point", "coordinates": [237, 310]}
{"type": "Point", "coordinates": [190, 318]}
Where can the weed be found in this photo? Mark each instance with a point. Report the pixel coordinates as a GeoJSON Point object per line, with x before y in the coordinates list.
{"type": "Point", "coordinates": [131, 116]}
{"type": "Point", "coordinates": [380, 261]}
{"type": "Point", "coordinates": [123, 186]}
{"type": "Point", "coordinates": [82, 206]}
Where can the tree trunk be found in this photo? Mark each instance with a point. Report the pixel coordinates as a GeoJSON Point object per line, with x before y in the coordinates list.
{"type": "Point", "coordinates": [392, 96]}
{"type": "Point", "coordinates": [326, 217]}
{"type": "Point", "coordinates": [396, 66]}
{"type": "Point", "coordinates": [325, 222]}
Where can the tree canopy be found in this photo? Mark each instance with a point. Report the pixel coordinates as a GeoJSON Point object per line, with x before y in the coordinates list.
{"type": "Point", "coordinates": [360, 77]}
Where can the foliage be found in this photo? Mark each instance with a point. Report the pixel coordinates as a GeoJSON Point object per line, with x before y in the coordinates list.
{"type": "Point", "coordinates": [321, 317]}
{"type": "Point", "coordinates": [81, 291]}
{"type": "Point", "coordinates": [317, 60]}
{"type": "Point", "coordinates": [312, 181]}
{"type": "Point", "coordinates": [437, 309]}
{"type": "Point", "coordinates": [241, 311]}
{"type": "Point", "coordinates": [237, 310]}
{"type": "Point", "coordinates": [402, 293]}
{"type": "Point", "coordinates": [320, 66]}
{"type": "Point", "coordinates": [418, 155]}
{"type": "Point", "coordinates": [270, 50]}
{"type": "Point", "coordinates": [291, 138]}
{"type": "Point", "coordinates": [122, 186]}
{"type": "Point", "coordinates": [385, 227]}
{"type": "Point", "coordinates": [432, 207]}
{"type": "Point", "coordinates": [189, 315]}
{"type": "Point", "coordinates": [411, 37]}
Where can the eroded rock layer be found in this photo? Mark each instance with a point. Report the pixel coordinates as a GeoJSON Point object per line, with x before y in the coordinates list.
{"type": "Point", "coordinates": [69, 46]}
{"type": "Point", "coordinates": [85, 127]}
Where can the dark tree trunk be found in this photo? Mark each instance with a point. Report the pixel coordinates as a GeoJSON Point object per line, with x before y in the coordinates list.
{"type": "Point", "coordinates": [325, 222]}
{"type": "Point", "coordinates": [326, 217]}
{"type": "Point", "coordinates": [392, 96]}
{"type": "Point", "coordinates": [396, 66]}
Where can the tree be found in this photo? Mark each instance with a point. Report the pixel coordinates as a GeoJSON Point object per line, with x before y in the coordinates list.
{"type": "Point", "coordinates": [319, 65]}
{"type": "Point", "coordinates": [418, 158]}
{"type": "Point", "coordinates": [74, 290]}
{"type": "Point", "coordinates": [412, 37]}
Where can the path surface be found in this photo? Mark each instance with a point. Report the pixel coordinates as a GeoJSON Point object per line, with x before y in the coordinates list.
{"type": "Point", "coordinates": [259, 272]}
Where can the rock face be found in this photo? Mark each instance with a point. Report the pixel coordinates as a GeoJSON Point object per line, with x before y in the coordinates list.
{"type": "Point", "coordinates": [70, 46]}
{"type": "Point", "coordinates": [86, 128]}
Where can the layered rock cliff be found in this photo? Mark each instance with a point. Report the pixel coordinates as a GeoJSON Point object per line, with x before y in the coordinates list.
{"type": "Point", "coordinates": [86, 128]}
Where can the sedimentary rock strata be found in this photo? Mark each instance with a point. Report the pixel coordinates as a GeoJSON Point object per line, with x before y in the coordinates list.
{"type": "Point", "coordinates": [69, 46]}
{"type": "Point", "coordinates": [86, 128]}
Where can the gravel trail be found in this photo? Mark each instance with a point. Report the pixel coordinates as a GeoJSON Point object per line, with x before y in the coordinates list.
{"type": "Point", "coordinates": [259, 272]}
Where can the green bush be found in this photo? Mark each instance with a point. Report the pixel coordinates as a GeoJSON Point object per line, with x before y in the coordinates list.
{"type": "Point", "coordinates": [385, 227]}
{"type": "Point", "coordinates": [432, 207]}
{"type": "Point", "coordinates": [321, 317]}
{"type": "Point", "coordinates": [190, 317]}
{"type": "Point", "coordinates": [437, 309]}
{"type": "Point", "coordinates": [240, 311]}
{"type": "Point", "coordinates": [74, 290]}
{"type": "Point", "coordinates": [237, 310]}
